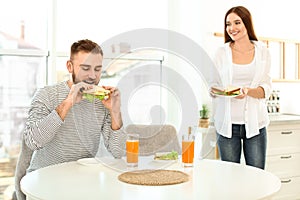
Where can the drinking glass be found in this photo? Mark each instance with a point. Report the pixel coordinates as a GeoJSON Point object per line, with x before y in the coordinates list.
{"type": "Point", "coordinates": [188, 142]}
{"type": "Point", "coordinates": [132, 150]}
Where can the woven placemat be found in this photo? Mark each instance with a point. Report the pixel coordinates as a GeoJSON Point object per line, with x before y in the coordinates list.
{"type": "Point", "coordinates": [154, 177]}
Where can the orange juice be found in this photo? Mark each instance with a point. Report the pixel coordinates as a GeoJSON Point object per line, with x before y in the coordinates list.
{"type": "Point", "coordinates": [132, 151]}
{"type": "Point", "coordinates": [188, 152]}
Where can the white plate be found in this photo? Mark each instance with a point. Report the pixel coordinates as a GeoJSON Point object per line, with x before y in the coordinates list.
{"type": "Point", "coordinates": [164, 161]}
{"type": "Point", "coordinates": [227, 96]}
{"type": "Point", "coordinates": [88, 161]}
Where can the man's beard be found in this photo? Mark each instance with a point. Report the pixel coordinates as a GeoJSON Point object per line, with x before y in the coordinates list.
{"type": "Point", "coordinates": [75, 81]}
{"type": "Point", "coordinates": [73, 77]}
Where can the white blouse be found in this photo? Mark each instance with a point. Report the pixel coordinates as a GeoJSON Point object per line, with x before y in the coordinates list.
{"type": "Point", "coordinates": [242, 76]}
{"type": "Point", "coordinates": [255, 113]}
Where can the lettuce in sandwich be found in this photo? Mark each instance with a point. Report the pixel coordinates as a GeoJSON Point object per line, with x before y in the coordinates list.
{"type": "Point", "coordinates": [96, 92]}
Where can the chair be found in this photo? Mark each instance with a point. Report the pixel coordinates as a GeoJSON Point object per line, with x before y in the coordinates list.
{"type": "Point", "coordinates": [155, 138]}
{"type": "Point", "coordinates": [21, 167]}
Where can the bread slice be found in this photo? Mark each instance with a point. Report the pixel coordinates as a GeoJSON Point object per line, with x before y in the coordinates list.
{"type": "Point", "coordinates": [97, 90]}
{"type": "Point", "coordinates": [230, 90]}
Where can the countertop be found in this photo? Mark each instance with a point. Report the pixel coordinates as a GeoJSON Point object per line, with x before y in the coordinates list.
{"type": "Point", "coordinates": [279, 118]}
{"type": "Point", "coordinates": [283, 118]}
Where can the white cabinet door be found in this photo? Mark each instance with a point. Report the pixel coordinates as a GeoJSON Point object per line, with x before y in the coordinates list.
{"type": "Point", "coordinates": [289, 189]}
{"type": "Point", "coordinates": [283, 139]}
{"type": "Point", "coordinates": [283, 158]}
{"type": "Point", "coordinates": [285, 165]}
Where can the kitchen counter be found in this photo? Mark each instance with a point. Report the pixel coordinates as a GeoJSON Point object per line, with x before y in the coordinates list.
{"type": "Point", "coordinates": [278, 119]}
{"type": "Point", "coordinates": [284, 118]}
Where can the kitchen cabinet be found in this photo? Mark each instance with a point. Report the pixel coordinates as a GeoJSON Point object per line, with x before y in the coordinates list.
{"type": "Point", "coordinates": [283, 154]}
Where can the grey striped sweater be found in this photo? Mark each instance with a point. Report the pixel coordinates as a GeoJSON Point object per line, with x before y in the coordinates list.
{"type": "Point", "coordinates": [78, 136]}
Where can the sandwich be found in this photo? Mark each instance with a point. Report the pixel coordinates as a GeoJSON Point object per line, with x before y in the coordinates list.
{"type": "Point", "coordinates": [166, 156]}
{"type": "Point", "coordinates": [97, 92]}
{"type": "Point", "coordinates": [228, 91]}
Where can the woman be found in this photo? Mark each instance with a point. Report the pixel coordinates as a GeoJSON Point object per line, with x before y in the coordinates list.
{"type": "Point", "coordinates": [242, 61]}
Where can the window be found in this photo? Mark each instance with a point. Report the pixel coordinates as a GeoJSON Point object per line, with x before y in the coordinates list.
{"type": "Point", "coordinates": [23, 68]}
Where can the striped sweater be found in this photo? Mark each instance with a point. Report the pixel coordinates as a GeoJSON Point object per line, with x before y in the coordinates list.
{"type": "Point", "coordinates": [78, 136]}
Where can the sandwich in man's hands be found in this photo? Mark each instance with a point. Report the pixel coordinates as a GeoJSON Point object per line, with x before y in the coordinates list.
{"type": "Point", "coordinates": [97, 92]}
{"type": "Point", "coordinates": [228, 91]}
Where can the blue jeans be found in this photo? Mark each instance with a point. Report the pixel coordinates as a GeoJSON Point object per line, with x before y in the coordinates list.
{"type": "Point", "coordinates": [254, 148]}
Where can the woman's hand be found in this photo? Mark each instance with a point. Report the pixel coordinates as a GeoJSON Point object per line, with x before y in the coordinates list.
{"type": "Point", "coordinates": [244, 92]}
{"type": "Point", "coordinates": [212, 94]}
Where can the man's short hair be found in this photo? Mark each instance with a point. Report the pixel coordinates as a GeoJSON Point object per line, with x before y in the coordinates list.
{"type": "Point", "coordinates": [85, 46]}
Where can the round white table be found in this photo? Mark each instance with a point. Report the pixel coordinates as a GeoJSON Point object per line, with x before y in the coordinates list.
{"type": "Point", "coordinates": [209, 179]}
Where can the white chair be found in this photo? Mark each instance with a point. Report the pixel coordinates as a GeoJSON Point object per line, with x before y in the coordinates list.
{"type": "Point", "coordinates": [155, 138]}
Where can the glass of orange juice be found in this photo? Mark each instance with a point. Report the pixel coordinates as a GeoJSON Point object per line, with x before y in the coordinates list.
{"type": "Point", "coordinates": [188, 142]}
{"type": "Point", "coordinates": [132, 150]}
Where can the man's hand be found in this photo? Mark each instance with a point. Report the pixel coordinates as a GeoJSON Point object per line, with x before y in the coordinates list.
{"type": "Point", "coordinates": [113, 104]}
{"type": "Point", "coordinates": [75, 94]}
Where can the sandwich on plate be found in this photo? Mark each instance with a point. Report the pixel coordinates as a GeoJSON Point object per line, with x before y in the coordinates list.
{"type": "Point", "coordinates": [166, 155]}
{"type": "Point", "coordinates": [228, 91]}
{"type": "Point", "coordinates": [97, 92]}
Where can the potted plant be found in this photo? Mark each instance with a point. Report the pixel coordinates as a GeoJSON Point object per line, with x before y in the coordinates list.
{"type": "Point", "coordinates": [204, 117]}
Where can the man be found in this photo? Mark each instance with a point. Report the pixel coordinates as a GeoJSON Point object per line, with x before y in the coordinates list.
{"type": "Point", "coordinates": [62, 126]}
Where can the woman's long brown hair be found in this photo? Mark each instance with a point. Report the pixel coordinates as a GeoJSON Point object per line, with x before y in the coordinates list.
{"type": "Point", "coordinates": [246, 17]}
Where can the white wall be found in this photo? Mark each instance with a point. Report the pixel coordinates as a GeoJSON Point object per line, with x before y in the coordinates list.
{"type": "Point", "coordinates": [199, 19]}
{"type": "Point", "coordinates": [196, 19]}
{"type": "Point", "coordinates": [101, 20]}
